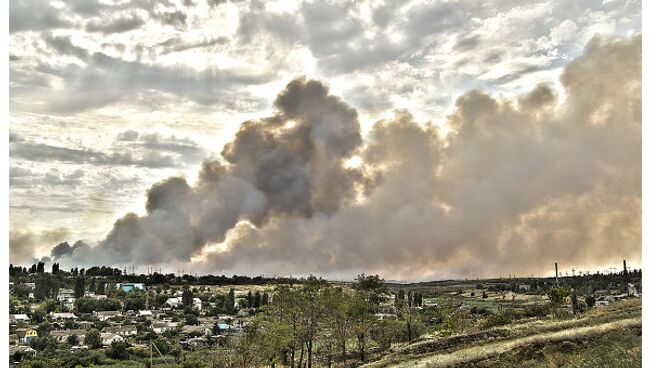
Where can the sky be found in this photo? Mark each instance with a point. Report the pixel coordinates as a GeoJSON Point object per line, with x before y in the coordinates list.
{"type": "Point", "coordinates": [417, 140]}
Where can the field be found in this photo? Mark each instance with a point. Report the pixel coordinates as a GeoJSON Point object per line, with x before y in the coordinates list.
{"type": "Point", "coordinates": [609, 335]}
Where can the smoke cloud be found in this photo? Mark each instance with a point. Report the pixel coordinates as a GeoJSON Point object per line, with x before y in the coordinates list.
{"type": "Point", "coordinates": [25, 243]}
{"type": "Point", "coordinates": [515, 185]}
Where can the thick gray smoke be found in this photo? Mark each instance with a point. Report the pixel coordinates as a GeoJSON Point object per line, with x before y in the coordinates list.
{"type": "Point", "coordinates": [287, 165]}
{"type": "Point", "coordinates": [515, 186]}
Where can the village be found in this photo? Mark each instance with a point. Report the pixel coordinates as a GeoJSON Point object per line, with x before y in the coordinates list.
{"type": "Point", "coordinates": [97, 316]}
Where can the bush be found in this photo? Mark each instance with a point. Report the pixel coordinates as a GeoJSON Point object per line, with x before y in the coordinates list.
{"type": "Point", "coordinates": [118, 350]}
{"type": "Point", "coordinates": [495, 320]}
{"type": "Point", "coordinates": [537, 310]}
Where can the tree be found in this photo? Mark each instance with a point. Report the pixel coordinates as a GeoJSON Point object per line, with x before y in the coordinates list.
{"type": "Point", "coordinates": [257, 301]}
{"type": "Point", "coordinates": [366, 301]}
{"type": "Point", "coordinates": [249, 298]}
{"type": "Point", "coordinates": [187, 297]}
{"type": "Point", "coordinates": [230, 300]}
{"type": "Point", "coordinates": [46, 286]}
{"type": "Point", "coordinates": [556, 297]}
{"type": "Point", "coordinates": [118, 350]}
{"type": "Point", "coordinates": [93, 339]}
{"type": "Point", "coordinates": [40, 267]}
{"type": "Point", "coordinates": [191, 319]}
{"type": "Point", "coordinates": [591, 301]}
{"type": "Point", "coordinates": [79, 287]}
{"type": "Point", "coordinates": [574, 302]}
{"type": "Point", "coordinates": [72, 340]}
{"type": "Point", "coordinates": [55, 268]}
{"type": "Point", "coordinates": [101, 288]}
{"type": "Point", "coordinates": [362, 318]}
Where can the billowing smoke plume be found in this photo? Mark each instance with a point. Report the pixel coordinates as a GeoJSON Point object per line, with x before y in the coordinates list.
{"type": "Point", "coordinates": [287, 165]}
{"type": "Point", "coordinates": [65, 249]}
{"type": "Point", "coordinates": [516, 185]}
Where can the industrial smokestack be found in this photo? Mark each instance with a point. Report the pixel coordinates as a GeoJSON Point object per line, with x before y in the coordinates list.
{"type": "Point", "coordinates": [624, 268]}
{"type": "Point", "coordinates": [557, 281]}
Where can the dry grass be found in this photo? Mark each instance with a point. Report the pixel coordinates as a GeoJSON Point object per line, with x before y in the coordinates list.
{"type": "Point", "coordinates": [456, 350]}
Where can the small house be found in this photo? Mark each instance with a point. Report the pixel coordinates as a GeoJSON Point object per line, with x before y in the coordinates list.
{"type": "Point", "coordinates": [108, 338]}
{"type": "Point", "coordinates": [107, 315]}
{"type": "Point", "coordinates": [15, 318]}
{"type": "Point", "coordinates": [62, 316]}
{"type": "Point", "coordinates": [124, 331]}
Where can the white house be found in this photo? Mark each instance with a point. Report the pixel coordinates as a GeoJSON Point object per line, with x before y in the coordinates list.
{"type": "Point", "coordinates": [15, 318]}
{"type": "Point", "coordinates": [174, 302]}
{"type": "Point", "coordinates": [108, 338]}
{"type": "Point", "coordinates": [160, 327]}
{"type": "Point", "coordinates": [64, 294]}
{"type": "Point", "coordinates": [106, 315]}
{"type": "Point", "coordinates": [64, 315]}
{"type": "Point", "coordinates": [124, 331]}
{"type": "Point", "coordinates": [145, 313]}
{"type": "Point", "coordinates": [62, 335]}
{"type": "Point", "coordinates": [197, 303]}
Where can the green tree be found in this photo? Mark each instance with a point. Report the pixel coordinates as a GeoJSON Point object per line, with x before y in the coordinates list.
{"type": "Point", "coordinates": [72, 340]}
{"type": "Point", "coordinates": [46, 286]}
{"type": "Point", "coordinates": [118, 350]}
{"type": "Point", "coordinates": [93, 339]}
{"type": "Point", "coordinates": [556, 297]}
{"type": "Point", "coordinates": [79, 287]}
{"type": "Point", "coordinates": [591, 301]}
{"type": "Point", "coordinates": [187, 297]}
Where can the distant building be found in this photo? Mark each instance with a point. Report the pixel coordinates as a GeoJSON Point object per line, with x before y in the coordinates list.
{"type": "Point", "coordinates": [94, 296]}
{"type": "Point", "coordinates": [106, 315]}
{"type": "Point", "coordinates": [65, 294]}
{"type": "Point", "coordinates": [62, 335]}
{"type": "Point", "coordinates": [174, 302]}
{"type": "Point", "coordinates": [16, 353]}
{"type": "Point", "coordinates": [196, 330]}
{"type": "Point", "coordinates": [524, 287]}
{"type": "Point", "coordinates": [129, 287]}
{"type": "Point", "coordinates": [26, 335]}
{"type": "Point", "coordinates": [124, 331]}
{"type": "Point", "coordinates": [145, 313]}
{"type": "Point", "coordinates": [160, 327]}
{"type": "Point", "coordinates": [108, 338]}
{"type": "Point", "coordinates": [62, 316]}
{"type": "Point", "coordinates": [197, 303]}
{"type": "Point", "coordinates": [15, 318]}
{"type": "Point", "coordinates": [177, 302]}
